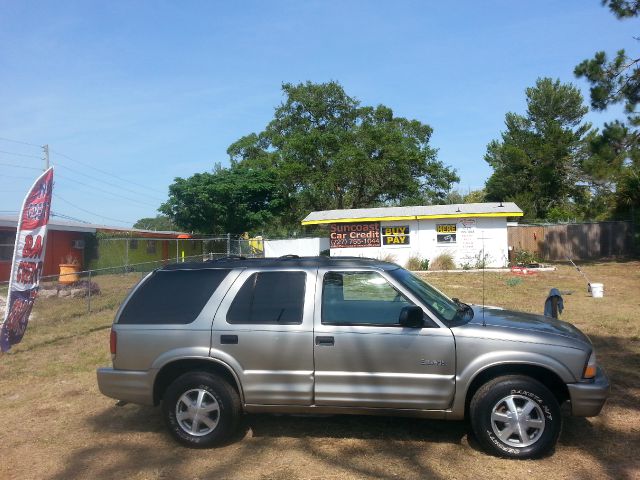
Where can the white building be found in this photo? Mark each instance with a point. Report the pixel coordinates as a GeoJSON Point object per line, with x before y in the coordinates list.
{"type": "Point", "coordinates": [303, 247]}
{"type": "Point", "coordinates": [463, 230]}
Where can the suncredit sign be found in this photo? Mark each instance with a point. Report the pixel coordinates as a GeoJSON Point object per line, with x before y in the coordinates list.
{"type": "Point", "coordinates": [357, 234]}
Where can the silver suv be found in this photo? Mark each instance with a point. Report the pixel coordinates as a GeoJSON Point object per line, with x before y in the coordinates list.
{"type": "Point", "coordinates": [209, 341]}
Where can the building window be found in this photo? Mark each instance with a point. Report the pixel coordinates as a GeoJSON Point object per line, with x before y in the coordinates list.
{"type": "Point", "coordinates": [151, 246]}
{"type": "Point", "coordinates": [446, 233]}
{"type": "Point", "coordinates": [7, 242]}
{"type": "Point", "coordinates": [133, 244]}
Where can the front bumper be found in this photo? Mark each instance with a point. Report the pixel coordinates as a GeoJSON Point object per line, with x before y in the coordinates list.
{"type": "Point", "coordinates": [587, 399]}
{"type": "Point", "coordinates": [128, 385]}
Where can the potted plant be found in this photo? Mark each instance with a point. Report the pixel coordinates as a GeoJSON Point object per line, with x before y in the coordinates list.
{"type": "Point", "coordinates": [69, 268]}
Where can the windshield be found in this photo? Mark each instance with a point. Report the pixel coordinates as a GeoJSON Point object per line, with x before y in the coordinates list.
{"type": "Point", "coordinates": [444, 307]}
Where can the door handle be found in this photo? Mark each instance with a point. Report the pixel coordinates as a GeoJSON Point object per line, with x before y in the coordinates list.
{"type": "Point", "coordinates": [325, 341]}
{"type": "Point", "coordinates": [229, 339]}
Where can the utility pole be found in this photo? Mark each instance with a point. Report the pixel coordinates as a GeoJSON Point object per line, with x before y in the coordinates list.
{"type": "Point", "coordinates": [45, 157]}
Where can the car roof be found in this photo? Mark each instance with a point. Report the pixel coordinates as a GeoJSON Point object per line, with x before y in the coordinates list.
{"type": "Point", "coordinates": [286, 261]}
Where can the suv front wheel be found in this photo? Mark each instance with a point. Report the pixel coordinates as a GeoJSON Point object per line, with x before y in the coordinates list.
{"type": "Point", "coordinates": [515, 417]}
{"type": "Point", "coordinates": [200, 410]}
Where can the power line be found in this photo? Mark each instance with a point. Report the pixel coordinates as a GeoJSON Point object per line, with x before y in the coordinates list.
{"type": "Point", "coordinates": [90, 212]}
{"type": "Point", "coordinates": [19, 166]}
{"type": "Point", "coordinates": [20, 142]}
{"type": "Point", "coordinates": [20, 154]}
{"type": "Point", "coordinates": [114, 195]}
{"type": "Point", "coordinates": [68, 217]}
{"type": "Point", "coordinates": [17, 176]}
{"type": "Point", "coordinates": [109, 183]}
{"type": "Point", "coordinates": [105, 172]}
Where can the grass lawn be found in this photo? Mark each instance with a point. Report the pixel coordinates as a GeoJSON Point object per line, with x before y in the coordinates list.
{"type": "Point", "coordinates": [56, 425]}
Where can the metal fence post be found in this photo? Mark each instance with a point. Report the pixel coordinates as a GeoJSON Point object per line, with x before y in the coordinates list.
{"type": "Point", "coordinates": [228, 244]}
{"type": "Point", "coordinates": [89, 293]}
{"type": "Point", "coordinates": [177, 251]}
{"type": "Point", "coordinates": [126, 255]}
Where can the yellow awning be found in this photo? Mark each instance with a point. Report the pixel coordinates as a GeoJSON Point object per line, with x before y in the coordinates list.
{"type": "Point", "coordinates": [412, 217]}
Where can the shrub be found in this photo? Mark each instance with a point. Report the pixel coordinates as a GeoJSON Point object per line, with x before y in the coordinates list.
{"type": "Point", "coordinates": [415, 263]}
{"type": "Point", "coordinates": [512, 282]}
{"type": "Point", "coordinates": [481, 260]}
{"type": "Point", "coordinates": [524, 257]}
{"type": "Point", "coordinates": [444, 261]}
{"type": "Point", "coordinates": [387, 257]}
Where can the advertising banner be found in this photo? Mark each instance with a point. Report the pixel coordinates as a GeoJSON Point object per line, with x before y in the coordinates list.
{"type": "Point", "coordinates": [28, 258]}
{"type": "Point", "coordinates": [396, 235]}
{"type": "Point", "coordinates": [350, 235]}
{"type": "Point", "coordinates": [468, 239]}
{"type": "Point", "coordinates": [446, 233]}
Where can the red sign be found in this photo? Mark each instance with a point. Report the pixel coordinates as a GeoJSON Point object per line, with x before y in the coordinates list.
{"type": "Point", "coordinates": [28, 258]}
{"type": "Point", "coordinates": [350, 235]}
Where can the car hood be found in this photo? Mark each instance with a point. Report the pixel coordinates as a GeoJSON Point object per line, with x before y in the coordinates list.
{"type": "Point", "coordinates": [498, 318]}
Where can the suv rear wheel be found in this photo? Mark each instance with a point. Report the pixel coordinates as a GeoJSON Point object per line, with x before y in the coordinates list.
{"type": "Point", "coordinates": [515, 417]}
{"type": "Point", "coordinates": [200, 409]}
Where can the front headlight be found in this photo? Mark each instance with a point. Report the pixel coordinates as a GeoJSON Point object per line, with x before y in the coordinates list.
{"type": "Point", "coordinates": [590, 368]}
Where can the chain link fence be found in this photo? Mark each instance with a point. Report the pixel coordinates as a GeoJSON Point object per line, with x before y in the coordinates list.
{"type": "Point", "coordinates": [114, 270]}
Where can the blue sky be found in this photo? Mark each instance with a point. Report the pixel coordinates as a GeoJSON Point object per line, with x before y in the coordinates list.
{"type": "Point", "coordinates": [148, 91]}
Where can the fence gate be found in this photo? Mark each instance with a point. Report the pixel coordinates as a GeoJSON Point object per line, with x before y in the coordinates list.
{"type": "Point", "coordinates": [526, 237]}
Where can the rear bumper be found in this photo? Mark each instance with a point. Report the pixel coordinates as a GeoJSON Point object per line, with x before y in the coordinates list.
{"type": "Point", "coordinates": [128, 385]}
{"type": "Point", "coordinates": [587, 399]}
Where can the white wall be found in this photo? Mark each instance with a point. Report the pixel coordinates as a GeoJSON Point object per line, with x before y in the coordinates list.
{"type": "Point", "coordinates": [470, 235]}
{"type": "Point", "coordinates": [303, 247]}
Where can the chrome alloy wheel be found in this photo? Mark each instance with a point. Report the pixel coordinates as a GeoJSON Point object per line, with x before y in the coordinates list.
{"type": "Point", "coordinates": [197, 412]}
{"type": "Point", "coordinates": [517, 420]}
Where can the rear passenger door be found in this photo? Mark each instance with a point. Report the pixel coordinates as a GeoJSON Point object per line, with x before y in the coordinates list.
{"type": "Point", "coordinates": [264, 328]}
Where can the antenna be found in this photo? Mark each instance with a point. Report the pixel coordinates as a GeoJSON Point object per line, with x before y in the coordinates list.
{"type": "Point", "coordinates": [484, 324]}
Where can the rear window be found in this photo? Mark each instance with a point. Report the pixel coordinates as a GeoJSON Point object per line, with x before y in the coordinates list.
{"type": "Point", "coordinates": [172, 297]}
{"type": "Point", "coordinates": [270, 298]}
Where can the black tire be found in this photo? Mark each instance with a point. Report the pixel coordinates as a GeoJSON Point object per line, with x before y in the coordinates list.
{"type": "Point", "coordinates": [215, 421]}
{"type": "Point", "coordinates": [538, 431]}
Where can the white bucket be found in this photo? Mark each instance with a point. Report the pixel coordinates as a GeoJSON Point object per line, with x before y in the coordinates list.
{"type": "Point", "coordinates": [597, 290]}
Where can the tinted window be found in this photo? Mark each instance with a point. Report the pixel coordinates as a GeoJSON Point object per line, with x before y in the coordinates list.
{"type": "Point", "coordinates": [270, 298]}
{"type": "Point", "coordinates": [172, 297]}
{"type": "Point", "coordinates": [360, 298]}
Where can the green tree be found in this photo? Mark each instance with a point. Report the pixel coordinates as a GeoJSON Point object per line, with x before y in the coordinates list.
{"type": "Point", "coordinates": [472, 196]}
{"type": "Point", "coordinates": [329, 152]}
{"type": "Point", "coordinates": [232, 200]}
{"type": "Point", "coordinates": [617, 80]}
{"type": "Point", "coordinates": [608, 172]}
{"type": "Point", "coordinates": [536, 163]}
{"type": "Point", "coordinates": [158, 223]}
{"type": "Point", "coordinates": [613, 169]}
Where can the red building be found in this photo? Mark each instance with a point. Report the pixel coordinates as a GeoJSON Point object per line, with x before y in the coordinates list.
{"type": "Point", "coordinates": [66, 242]}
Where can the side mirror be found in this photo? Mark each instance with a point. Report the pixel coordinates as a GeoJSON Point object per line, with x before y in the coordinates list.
{"type": "Point", "coordinates": [411, 317]}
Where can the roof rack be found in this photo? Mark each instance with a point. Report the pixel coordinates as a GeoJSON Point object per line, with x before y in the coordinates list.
{"type": "Point", "coordinates": [227, 257]}
{"type": "Point", "coordinates": [237, 261]}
